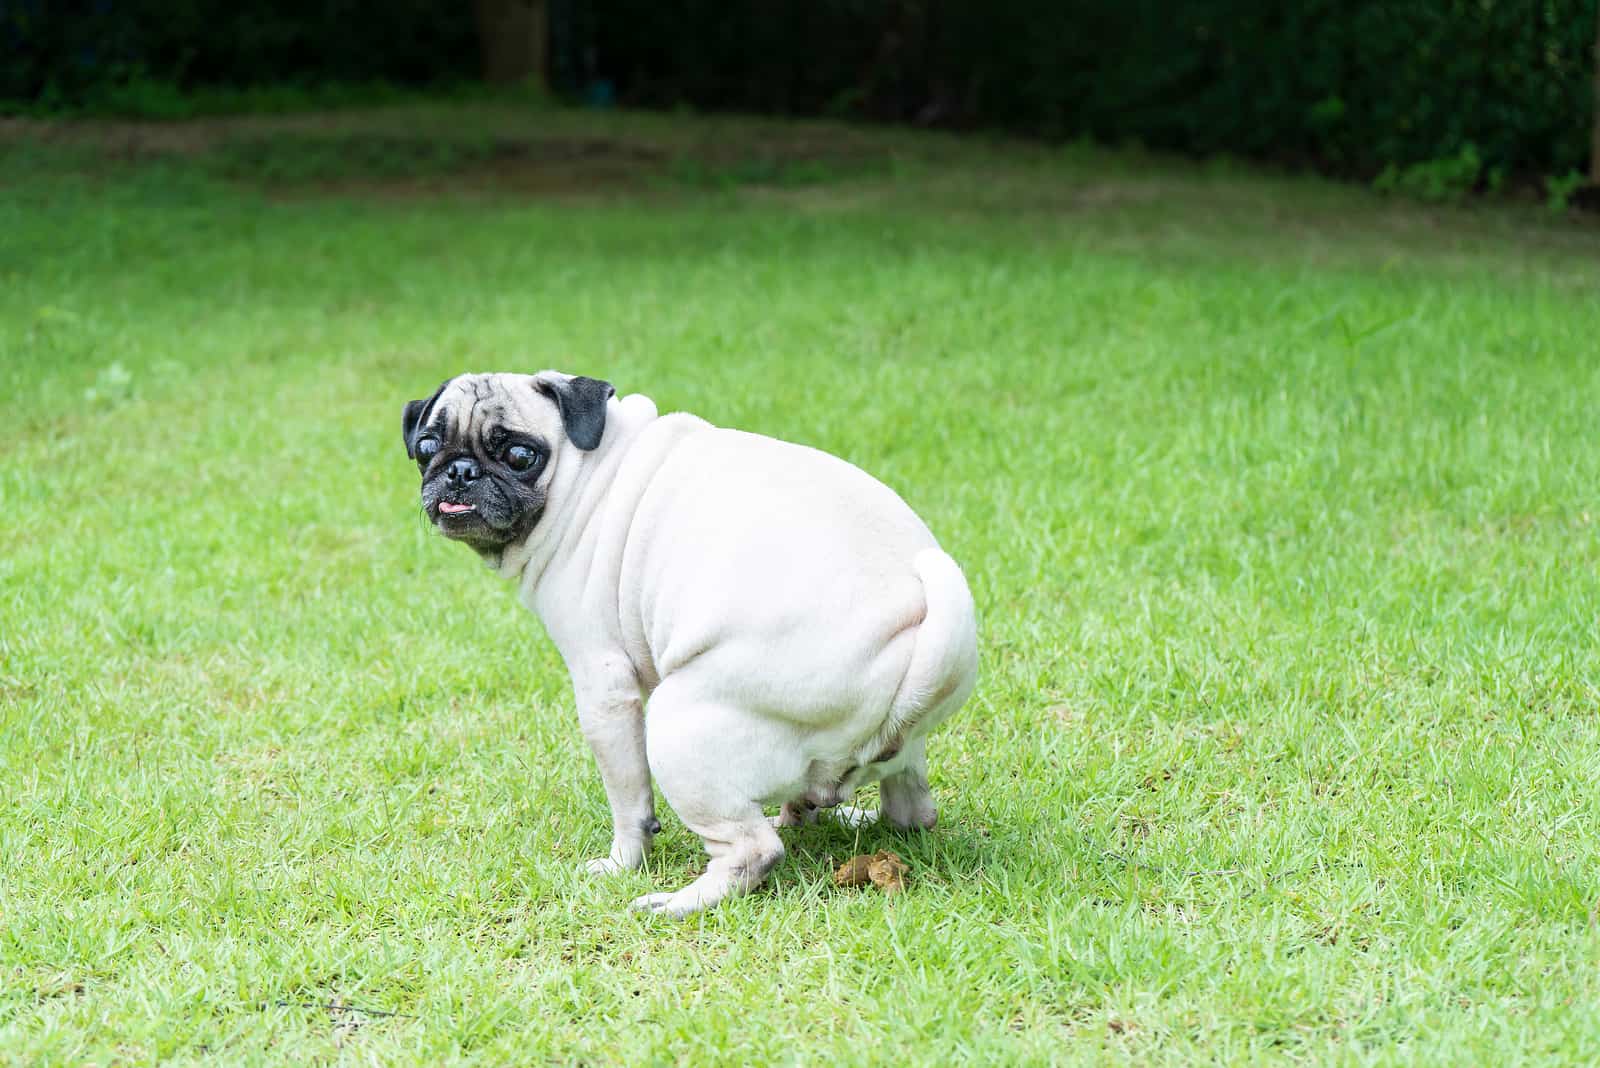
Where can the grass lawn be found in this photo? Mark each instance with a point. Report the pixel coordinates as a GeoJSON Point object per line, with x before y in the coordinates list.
{"type": "Point", "coordinates": [1278, 500]}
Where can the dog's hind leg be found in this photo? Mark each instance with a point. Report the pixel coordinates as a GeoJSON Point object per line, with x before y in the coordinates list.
{"type": "Point", "coordinates": [716, 792]}
{"type": "Point", "coordinates": [906, 801]}
{"type": "Point", "coordinates": [743, 849]}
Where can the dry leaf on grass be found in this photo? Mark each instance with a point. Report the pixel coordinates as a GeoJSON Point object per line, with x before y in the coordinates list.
{"type": "Point", "coordinates": [882, 869]}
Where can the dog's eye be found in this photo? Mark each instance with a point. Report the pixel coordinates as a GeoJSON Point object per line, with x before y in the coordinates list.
{"type": "Point", "coordinates": [427, 449]}
{"type": "Point", "coordinates": [521, 458]}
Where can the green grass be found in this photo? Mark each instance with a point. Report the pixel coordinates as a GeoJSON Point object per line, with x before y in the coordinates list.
{"type": "Point", "coordinates": [1278, 501]}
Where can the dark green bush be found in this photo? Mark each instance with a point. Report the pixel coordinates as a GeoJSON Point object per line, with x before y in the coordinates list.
{"type": "Point", "coordinates": [1344, 85]}
{"type": "Point", "coordinates": [1450, 178]}
{"type": "Point", "coordinates": [121, 55]}
{"type": "Point", "coordinates": [1357, 87]}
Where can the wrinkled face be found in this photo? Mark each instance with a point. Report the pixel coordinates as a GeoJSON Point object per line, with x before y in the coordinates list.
{"type": "Point", "coordinates": [487, 445]}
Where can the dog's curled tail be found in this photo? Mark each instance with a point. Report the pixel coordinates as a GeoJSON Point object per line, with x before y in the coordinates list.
{"type": "Point", "coordinates": [944, 660]}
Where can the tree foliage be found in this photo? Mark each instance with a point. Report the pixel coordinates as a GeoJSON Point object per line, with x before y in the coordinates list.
{"type": "Point", "coordinates": [1350, 86]}
{"type": "Point", "coordinates": [1346, 85]}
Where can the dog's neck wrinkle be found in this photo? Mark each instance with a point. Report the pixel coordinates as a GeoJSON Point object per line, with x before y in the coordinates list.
{"type": "Point", "coordinates": [527, 562]}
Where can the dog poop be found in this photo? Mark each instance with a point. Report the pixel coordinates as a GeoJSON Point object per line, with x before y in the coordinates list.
{"type": "Point", "coordinates": [882, 869]}
{"type": "Point", "coordinates": [853, 872]}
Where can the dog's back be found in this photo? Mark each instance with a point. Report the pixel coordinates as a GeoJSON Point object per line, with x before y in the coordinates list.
{"type": "Point", "coordinates": [760, 544]}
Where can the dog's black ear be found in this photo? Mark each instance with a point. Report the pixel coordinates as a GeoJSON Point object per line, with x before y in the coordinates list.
{"type": "Point", "coordinates": [582, 403]}
{"type": "Point", "coordinates": [415, 418]}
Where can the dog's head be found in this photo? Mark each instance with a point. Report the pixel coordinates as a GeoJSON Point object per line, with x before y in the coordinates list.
{"type": "Point", "coordinates": [488, 447]}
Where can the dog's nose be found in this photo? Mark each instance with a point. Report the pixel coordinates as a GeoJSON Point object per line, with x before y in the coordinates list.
{"type": "Point", "coordinates": [462, 471]}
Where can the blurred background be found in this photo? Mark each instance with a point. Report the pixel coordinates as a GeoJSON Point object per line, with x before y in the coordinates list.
{"type": "Point", "coordinates": [1432, 97]}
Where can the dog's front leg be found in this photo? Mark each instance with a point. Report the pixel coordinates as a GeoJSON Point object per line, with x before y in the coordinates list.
{"type": "Point", "coordinates": [611, 713]}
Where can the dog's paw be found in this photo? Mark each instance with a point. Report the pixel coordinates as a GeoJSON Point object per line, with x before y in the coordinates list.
{"type": "Point", "coordinates": [651, 903]}
{"type": "Point", "coordinates": [620, 860]}
{"type": "Point", "coordinates": [676, 905]}
{"type": "Point", "coordinates": [850, 816]}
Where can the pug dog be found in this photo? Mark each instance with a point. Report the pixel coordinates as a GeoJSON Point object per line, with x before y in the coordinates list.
{"type": "Point", "coordinates": [746, 621]}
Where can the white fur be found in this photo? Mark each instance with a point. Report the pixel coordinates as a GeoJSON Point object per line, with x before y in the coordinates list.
{"type": "Point", "coordinates": [793, 626]}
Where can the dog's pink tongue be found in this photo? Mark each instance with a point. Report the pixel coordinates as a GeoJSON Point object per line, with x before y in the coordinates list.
{"type": "Point", "coordinates": [453, 509]}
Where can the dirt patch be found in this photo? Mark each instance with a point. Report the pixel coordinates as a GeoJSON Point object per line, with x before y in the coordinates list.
{"type": "Point", "coordinates": [394, 166]}
{"type": "Point", "coordinates": [424, 155]}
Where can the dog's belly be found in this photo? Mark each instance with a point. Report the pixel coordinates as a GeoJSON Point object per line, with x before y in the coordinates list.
{"type": "Point", "coordinates": [781, 580]}
{"type": "Point", "coordinates": [828, 784]}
